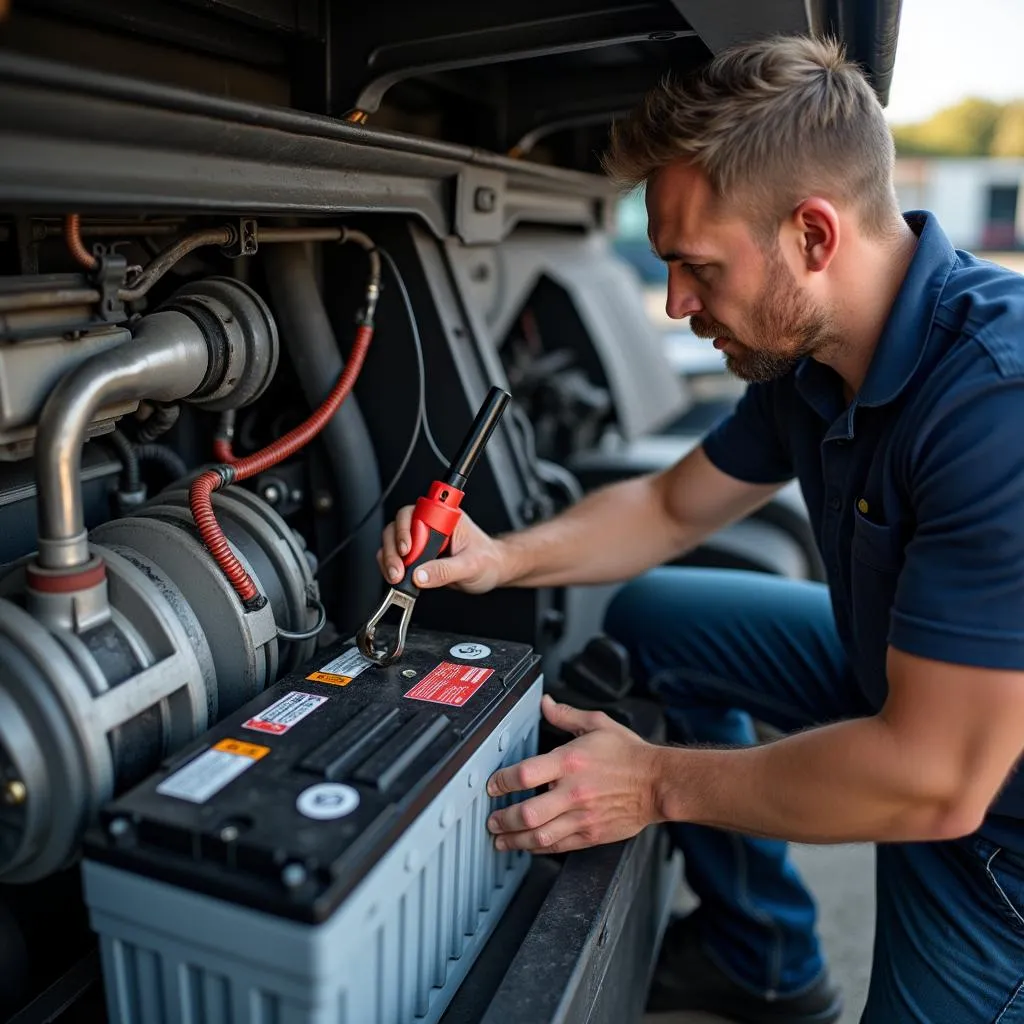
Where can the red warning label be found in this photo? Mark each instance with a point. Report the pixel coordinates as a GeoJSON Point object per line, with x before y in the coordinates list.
{"type": "Point", "coordinates": [450, 684]}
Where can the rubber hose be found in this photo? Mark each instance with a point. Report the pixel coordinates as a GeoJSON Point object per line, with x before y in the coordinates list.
{"type": "Point", "coordinates": [131, 482]}
{"type": "Point", "coordinates": [167, 458]}
{"type": "Point", "coordinates": [164, 417]}
{"type": "Point", "coordinates": [303, 322]}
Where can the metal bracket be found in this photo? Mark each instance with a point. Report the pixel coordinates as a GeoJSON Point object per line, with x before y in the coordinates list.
{"type": "Point", "coordinates": [480, 206]}
{"type": "Point", "coordinates": [109, 277]}
{"type": "Point", "coordinates": [245, 240]}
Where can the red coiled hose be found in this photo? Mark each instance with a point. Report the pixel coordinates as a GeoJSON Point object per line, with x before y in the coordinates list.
{"type": "Point", "coordinates": [201, 492]}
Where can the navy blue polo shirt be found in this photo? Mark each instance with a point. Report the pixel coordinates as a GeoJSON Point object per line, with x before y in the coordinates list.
{"type": "Point", "coordinates": [915, 489]}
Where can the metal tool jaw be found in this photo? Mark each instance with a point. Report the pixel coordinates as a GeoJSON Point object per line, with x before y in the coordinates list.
{"type": "Point", "coordinates": [434, 519]}
{"type": "Point", "coordinates": [366, 638]}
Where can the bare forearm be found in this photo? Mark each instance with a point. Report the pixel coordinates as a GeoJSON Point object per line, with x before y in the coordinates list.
{"type": "Point", "coordinates": [854, 781]}
{"type": "Point", "coordinates": [610, 535]}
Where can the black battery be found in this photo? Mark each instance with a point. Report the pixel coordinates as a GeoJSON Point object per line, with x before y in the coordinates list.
{"type": "Point", "coordinates": [286, 805]}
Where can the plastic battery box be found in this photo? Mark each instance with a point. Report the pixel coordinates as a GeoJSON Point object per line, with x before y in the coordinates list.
{"type": "Point", "coordinates": [322, 854]}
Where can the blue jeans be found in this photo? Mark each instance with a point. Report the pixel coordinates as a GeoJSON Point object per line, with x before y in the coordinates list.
{"type": "Point", "coordinates": [717, 647]}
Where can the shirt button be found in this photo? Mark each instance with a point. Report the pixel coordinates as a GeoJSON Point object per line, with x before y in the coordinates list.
{"type": "Point", "coordinates": [863, 507]}
{"type": "Point", "coordinates": [835, 503]}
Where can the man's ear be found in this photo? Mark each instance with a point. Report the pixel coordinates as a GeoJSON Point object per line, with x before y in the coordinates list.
{"type": "Point", "coordinates": [816, 227]}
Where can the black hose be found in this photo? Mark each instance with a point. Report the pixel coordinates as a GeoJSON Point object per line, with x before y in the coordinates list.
{"type": "Point", "coordinates": [309, 338]}
{"type": "Point", "coordinates": [166, 458]}
{"type": "Point", "coordinates": [131, 482]}
{"type": "Point", "coordinates": [163, 418]}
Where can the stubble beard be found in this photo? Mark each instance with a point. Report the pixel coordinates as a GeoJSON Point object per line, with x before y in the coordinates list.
{"type": "Point", "coordinates": [788, 327]}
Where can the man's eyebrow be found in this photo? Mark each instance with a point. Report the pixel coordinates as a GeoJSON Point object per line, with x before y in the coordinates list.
{"type": "Point", "coordinates": [684, 257]}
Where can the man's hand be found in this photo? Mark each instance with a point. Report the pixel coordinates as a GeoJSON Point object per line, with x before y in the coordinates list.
{"type": "Point", "coordinates": [601, 787]}
{"type": "Point", "coordinates": [474, 562]}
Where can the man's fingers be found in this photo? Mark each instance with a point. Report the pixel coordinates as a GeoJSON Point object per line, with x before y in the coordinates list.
{"type": "Point", "coordinates": [403, 529]}
{"type": "Point", "coordinates": [444, 571]}
{"type": "Point", "coordinates": [390, 564]}
{"type": "Point", "coordinates": [528, 774]}
{"type": "Point", "coordinates": [570, 719]}
{"type": "Point", "coordinates": [530, 814]}
{"type": "Point", "coordinates": [546, 839]}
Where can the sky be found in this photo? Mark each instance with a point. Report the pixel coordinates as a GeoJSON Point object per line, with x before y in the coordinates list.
{"type": "Point", "coordinates": [949, 49]}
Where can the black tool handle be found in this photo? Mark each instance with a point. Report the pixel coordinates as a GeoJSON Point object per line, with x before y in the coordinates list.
{"type": "Point", "coordinates": [435, 542]}
{"type": "Point", "coordinates": [479, 433]}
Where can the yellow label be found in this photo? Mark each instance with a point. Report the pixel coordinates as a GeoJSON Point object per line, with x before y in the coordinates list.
{"type": "Point", "coordinates": [252, 750]}
{"type": "Point", "coordinates": [329, 677]}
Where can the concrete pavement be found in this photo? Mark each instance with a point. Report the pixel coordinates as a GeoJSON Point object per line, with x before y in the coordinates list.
{"type": "Point", "coordinates": [843, 882]}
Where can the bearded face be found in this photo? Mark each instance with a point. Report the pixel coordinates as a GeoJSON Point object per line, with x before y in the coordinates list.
{"type": "Point", "coordinates": [783, 327]}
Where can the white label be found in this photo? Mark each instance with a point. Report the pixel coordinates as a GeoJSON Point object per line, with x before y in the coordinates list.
{"type": "Point", "coordinates": [343, 669]}
{"type": "Point", "coordinates": [327, 800]}
{"type": "Point", "coordinates": [291, 709]}
{"type": "Point", "coordinates": [207, 775]}
{"type": "Point", "coordinates": [469, 652]}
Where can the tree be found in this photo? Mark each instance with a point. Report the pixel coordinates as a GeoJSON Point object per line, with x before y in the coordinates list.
{"type": "Point", "coordinates": [1009, 136]}
{"type": "Point", "coordinates": [966, 129]}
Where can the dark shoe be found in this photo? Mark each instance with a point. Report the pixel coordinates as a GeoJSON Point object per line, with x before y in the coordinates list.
{"type": "Point", "coordinates": [686, 978]}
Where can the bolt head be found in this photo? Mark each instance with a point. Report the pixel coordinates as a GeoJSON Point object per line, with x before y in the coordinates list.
{"type": "Point", "coordinates": [485, 199]}
{"type": "Point", "coordinates": [293, 875]}
{"type": "Point", "coordinates": [323, 503]}
{"type": "Point", "coordinates": [118, 827]}
{"type": "Point", "coordinates": [228, 834]}
{"type": "Point", "coordinates": [15, 793]}
{"type": "Point", "coordinates": [271, 494]}
{"type": "Point", "coordinates": [408, 673]}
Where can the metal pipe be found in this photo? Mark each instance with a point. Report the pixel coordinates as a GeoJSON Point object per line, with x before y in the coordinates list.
{"type": "Point", "coordinates": [269, 235]}
{"type": "Point", "coordinates": [52, 298]}
{"type": "Point", "coordinates": [167, 359]}
{"type": "Point", "coordinates": [159, 265]}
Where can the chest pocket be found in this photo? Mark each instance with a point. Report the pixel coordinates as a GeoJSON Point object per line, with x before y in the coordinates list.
{"type": "Point", "coordinates": [876, 557]}
{"type": "Point", "coordinates": [875, 564]}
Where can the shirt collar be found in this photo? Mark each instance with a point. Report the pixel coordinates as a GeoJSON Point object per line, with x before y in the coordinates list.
{"type": "Point", "coordinates": [909, 324]}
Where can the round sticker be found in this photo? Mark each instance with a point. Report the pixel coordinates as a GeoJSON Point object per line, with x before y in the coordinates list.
{"type": "Point", "coordinates": [469, 652]}
{"type": "Point", "coordinates": [327, 800]}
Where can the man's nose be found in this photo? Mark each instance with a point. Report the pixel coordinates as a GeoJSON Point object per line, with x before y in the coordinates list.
{"type": "Point", "coordinates": [681, 301]}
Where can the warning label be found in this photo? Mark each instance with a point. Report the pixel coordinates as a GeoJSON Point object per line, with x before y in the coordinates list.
{"type": "Point", "coordinates": [291, 709]}
{"type": "Point", "coordinates": [211, 771]}
{"type": "Point", "coordinates": [343, 669]}
{"type": "Point", "coordinates": [450, 684]}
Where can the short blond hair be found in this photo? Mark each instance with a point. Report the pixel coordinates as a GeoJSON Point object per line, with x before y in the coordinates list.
{"type": "Point", "coordinates": [769, 123]}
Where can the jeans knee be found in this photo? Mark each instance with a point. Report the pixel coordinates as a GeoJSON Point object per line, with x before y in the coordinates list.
{"type": "Point", "coordinates": [629, 611]}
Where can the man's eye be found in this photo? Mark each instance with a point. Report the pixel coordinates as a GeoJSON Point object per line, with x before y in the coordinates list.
{"type": "Point", "coordinates": [698, 270]}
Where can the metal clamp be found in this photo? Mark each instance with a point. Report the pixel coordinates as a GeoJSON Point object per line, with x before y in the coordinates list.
{"type": "Point", "coordinates": [367, 635]}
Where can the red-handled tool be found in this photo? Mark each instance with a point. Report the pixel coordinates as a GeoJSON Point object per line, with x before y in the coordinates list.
{"type": "Point", "coordinates": [433, 522]}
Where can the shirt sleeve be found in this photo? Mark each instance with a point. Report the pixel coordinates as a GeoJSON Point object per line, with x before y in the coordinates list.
{"type": "Point", "coordinates": [960, 593]}
{"type": "Point", "coordinates": [750, 444]}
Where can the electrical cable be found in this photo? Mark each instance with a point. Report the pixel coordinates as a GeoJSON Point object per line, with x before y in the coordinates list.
{"type": "Point", "coordinates": [421, 418]}
{"type": "Point", "coordinates": [212, 480]}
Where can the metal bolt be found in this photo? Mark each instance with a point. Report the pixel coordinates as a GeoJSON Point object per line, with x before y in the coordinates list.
{"type": "Point", "coordinates": [15, 792]}
{"type": "Point", "coordinates": [297, 495]}
{"type": "Point", "coordinates": [228, 834]}
{"type": "Point", "coordinates": [293, 875]}
{"type": "Point", "coordinates": [485, 199]}
{"type": "Point", "coordinates": [118, 827]}
{"type": "Point", "coordinates": [271, 494]}
{"type": "Point", "coordinates": [323, 502]}
{"type": "Point", "coordinates": [408, 673]}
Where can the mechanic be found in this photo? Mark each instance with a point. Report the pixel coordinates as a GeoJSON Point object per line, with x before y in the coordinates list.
{"type": "Point", "coordinates": [885, 372]}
